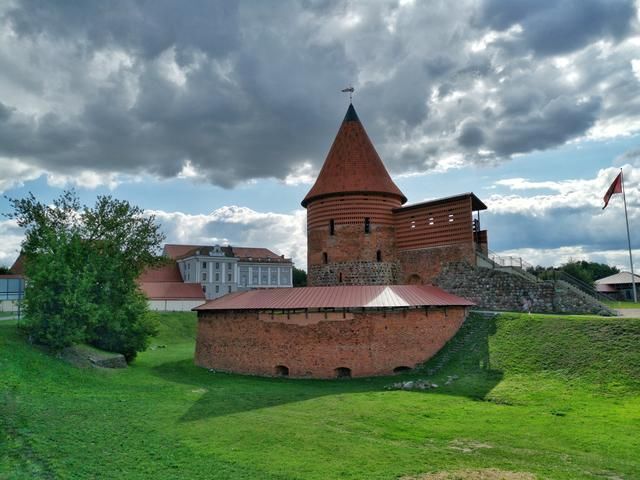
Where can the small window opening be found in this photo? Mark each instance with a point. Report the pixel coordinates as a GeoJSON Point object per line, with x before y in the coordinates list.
{"type": "Point", "coordinates": [332, 227]}
{"type": "Point", "coordinates": [340, 277]}
{"type": "Point", "coordinates": [325, 258]}
{"type": "Point", "coordinates": [402, 369]}
{"type": "Point", "coordinates": [343, 372]}
{"type": "Point", "coordinates": [367, 225]}
{"type": "Point", "coordinates": [450, 217]}
{"type": "Point", "coordinates": [413, 224]}
{"type": "Point", "coordinates": [378, 256]}
{"type": "Point", "coordinates": [204, 264]}
{"type": "Point", "coordinates": [431, 222]}
{"type": "Point", "coordinates": [282, 371]}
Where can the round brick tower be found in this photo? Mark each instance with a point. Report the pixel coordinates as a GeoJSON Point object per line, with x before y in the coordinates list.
{"type": "Point", "coordinates": [350, 227]}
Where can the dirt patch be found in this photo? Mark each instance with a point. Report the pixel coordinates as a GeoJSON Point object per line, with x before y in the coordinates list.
{"type": "Point", "coordinates": [483, 474]}
{"type": "Point", "coordinates": [467, 446]}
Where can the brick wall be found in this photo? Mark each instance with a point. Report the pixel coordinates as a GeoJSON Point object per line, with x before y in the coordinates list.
{"type": "Point", "coordinates": [314, 345]}
{"type": "Point", "coordinates": [424, 265]}
{"type": "Point", "coordinates": [354, 273]}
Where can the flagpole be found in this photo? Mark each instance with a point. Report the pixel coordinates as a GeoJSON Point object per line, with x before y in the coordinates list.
{"type": "Point", "coordinates": [626, 217]}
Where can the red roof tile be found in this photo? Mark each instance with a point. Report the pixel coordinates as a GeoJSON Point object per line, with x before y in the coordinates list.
{"type": "Point", "coordinates": [18, 266]}
{"type": "Point", "coordinates": [166, 273]}
{"type": "Point", "coordinates": [172, 291]}
{"type": "Point", "coordinates": [175, 251]}
{"type": "Point", "coordinates": [352, 165]}
{"type": "Point", "coordinates": [245, 253]}
{"type": "Point", "coordinates": [369, 296]}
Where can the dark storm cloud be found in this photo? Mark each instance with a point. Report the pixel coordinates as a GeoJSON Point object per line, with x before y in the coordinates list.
{"type": "Point", "coordinates": [251, 90]}
{"type": "Point", "coordinates": [552, 27]}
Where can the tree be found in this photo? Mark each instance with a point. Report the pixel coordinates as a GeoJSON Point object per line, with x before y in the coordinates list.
{"type": "Point", "coordinates": [82, 264]}
{"type": "Point", "coordinates": [4, 270]}
{"type": "Point", "coordinates": [299, 277]}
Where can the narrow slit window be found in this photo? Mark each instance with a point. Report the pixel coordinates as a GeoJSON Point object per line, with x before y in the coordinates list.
{"type": "Point", "coordinates": [325, 258]}
{"type": "Point", "coordinates": [379, 256]}
{"type": "Point", "coordinates": [367, 225]}
{"type": "Point", "coordinates": [332, 227]}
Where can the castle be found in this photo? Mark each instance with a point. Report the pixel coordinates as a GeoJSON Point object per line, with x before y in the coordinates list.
{"type": "Point", "coordinates": [370, 308]}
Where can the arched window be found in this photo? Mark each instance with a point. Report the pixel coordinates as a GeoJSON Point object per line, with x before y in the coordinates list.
{"type": "Point", "coordinates": [367, 225]}
{"type": "Point", "coordinates": [325, 258]}
{"type": "Point", "coordinates": [401, 369]}
{"type": "Point", "coordinates": [379, 256]}
{"type": "Point", "coordinates": [282, 371]}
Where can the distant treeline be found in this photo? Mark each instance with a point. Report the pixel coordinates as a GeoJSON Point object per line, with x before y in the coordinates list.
{"type": "Point", "coordinates": [588, 272]}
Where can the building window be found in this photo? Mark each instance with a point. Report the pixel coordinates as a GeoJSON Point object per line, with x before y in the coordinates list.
{"type": "Point", "coordinates": [450, 217]}
{"type": "Point", "coordinates": [217, 277]}
{"type": "Point", "coordinates": [264, 276]}
{"type": "Point", "coordinates": [255, 276]}
{"type": "Point", "coordinates": [332, 227]}
{"type": "Point", "coordinates": [204, 276]}
{"type": "Point", "coordinates": [217, 288]}
{"type": "Point", "coordinates": [229, 277]}
{"type": "Point", "coordinates": [367, 225]}
{"type": "Point", "coordinates": [204, 264]}
{"type": "Point", "coordinates": [217, 265]}
{"type": "Point", "coordinates": [340, 277]}
{"type": "Point", "coordinates": [325, 258]}
{"type": "Point", "coordinates": [229, 288]}
{"type": "Point", "coordinates": [379, 256]}
{"type": "Point", "coordinates": [273, 276]}
{"type": "Point", "coordinates": [431, 221]}
{"type": "Point", "coordinates": [244, 276]}
{"type": "Point", "coordinates": [285, 275]}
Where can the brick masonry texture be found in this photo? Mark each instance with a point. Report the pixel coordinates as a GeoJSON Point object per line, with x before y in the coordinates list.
{"type": "Point", "coordinates": [354, 273]}
{"type": "Point", "coordinates": [368, 343]}
{"type": "Point", "coordinates": [497, 290]}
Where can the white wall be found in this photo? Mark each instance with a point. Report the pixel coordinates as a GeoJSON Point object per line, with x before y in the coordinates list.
{"type": "Point", "coordinates": [173, 305]}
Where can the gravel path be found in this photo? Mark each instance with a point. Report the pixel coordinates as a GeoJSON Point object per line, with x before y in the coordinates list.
{"type": "Point", "coordinates": [629, 312]}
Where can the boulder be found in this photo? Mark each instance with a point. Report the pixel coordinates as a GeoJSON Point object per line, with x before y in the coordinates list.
{"type": "Point", "coordinates": [87, 356]}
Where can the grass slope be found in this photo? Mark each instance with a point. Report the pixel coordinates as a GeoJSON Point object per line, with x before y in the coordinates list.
{"type": "Point", "coordinates": [555, 397]}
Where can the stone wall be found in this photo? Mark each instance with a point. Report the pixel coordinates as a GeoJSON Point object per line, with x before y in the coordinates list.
{"type": "Point", "coordinates": [423, 265]}
{"type": "Point", "coordinates": [354, 273]}
{"type": "Point", "coordinates": [498, 290]}
{"type": "Point", "coordinates": [373, 342]}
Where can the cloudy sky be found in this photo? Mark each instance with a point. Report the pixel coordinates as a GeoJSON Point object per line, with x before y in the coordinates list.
{"type": "Point", "coordinates": [216, 116]}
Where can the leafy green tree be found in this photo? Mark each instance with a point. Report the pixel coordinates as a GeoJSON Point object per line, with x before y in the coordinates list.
{"type": "Point", "coordinates": [4, 270]}
{"type": "Point", "coordinates": [299, 277]}
{"type": "Point", "coordinates": [82, 264]}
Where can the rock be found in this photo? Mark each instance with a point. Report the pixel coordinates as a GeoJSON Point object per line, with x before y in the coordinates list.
{"type": "Point", "coordinates": [87, 356]}
{"type": "Point", "coordinates": [407, 385]}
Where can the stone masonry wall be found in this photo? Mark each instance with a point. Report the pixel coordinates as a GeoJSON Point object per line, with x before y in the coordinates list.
{"type": "Point", "coordinates": [497, 290]}
{"type": "Point", "coordinates": [354, 273]}
{"type": "Point", "coordinates": [423, 265]}
{"type": "Point", "coordinates": [316, 344]}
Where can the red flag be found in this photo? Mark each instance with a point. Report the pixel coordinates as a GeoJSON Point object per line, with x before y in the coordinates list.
{"type": "Point", "coordinates": [616, 187]}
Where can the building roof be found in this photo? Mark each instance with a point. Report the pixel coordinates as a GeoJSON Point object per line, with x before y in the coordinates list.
{"type": "Point", "coordinates": [172, 291]}
{"type": "Point", "coordinates": [10, 276]}
{"type": "Point", "coordinates": [165, 273]}
{"type": "Point", "coordinates": [205, 250]}
{"type": "Point", "coordinates": [18, 266]}
{"type": "Point", "coordinates": [247, 253]}
{"type": "Point", "coordinates": [618, 278]}
{"type": "Point", "coordinates": [352, 165]}
{"type": "Point", "coordinates": [174, 251]}
{"type": "Point", "coordinates": [370, 296]}
{"type": "Point", "coordinates": [476, 203]}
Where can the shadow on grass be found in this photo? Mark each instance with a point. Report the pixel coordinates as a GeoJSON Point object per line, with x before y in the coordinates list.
{"type": "Point", "coordinates": [466, 355]}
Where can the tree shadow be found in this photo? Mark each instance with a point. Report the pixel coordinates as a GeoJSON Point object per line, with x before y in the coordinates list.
{"type": "Point", "coordinates": [466, 355]}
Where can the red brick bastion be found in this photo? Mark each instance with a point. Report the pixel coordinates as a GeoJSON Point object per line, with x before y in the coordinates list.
{"type": "Point", "coordinates": [327, 332]}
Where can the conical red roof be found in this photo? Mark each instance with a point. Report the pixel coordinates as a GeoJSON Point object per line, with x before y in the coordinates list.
{"type": "Point", "coordinates": [352, 165]}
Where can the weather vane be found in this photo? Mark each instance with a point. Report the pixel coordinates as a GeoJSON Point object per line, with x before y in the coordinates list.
{"type": "Point", "coordinates": [350, 90]}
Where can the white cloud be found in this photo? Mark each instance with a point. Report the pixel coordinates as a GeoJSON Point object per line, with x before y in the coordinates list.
{"type": "Point", "coordinates": [14, 172]}
{"type": "Point", "coordinates": [11, 236]}
{"type": "Point", "coordinates": [302, 174]}
{"type": "Point", "coordinates": [555, 257]}
{"type": "Point", "coordinates": [284, 233]}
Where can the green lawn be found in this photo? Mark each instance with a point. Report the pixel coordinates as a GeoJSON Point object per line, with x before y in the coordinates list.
{"type": "Point", "coordinates": [558, 397]}
{"type": "Point", "coordinates": [619, 304]}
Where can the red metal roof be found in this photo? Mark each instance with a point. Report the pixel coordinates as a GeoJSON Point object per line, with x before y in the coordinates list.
{"type": "Point", "coordinates": [166, 273]}
{"type": "Point", "coordinates": [172, 291]}
{"type": "Point", "coordinates": [352, 165]}
{"type": "Point", "coordinates": [245, 253]}
{"type": "Point", "coordinates": [18, 266]}
{"type": "Point", "coordinates": [369, 296]}
{"type": "Point", "coordinates": [174, 251]}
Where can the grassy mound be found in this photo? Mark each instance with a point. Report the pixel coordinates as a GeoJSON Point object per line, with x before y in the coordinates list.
{"type": "Point", "coordinates": [534, 397]}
